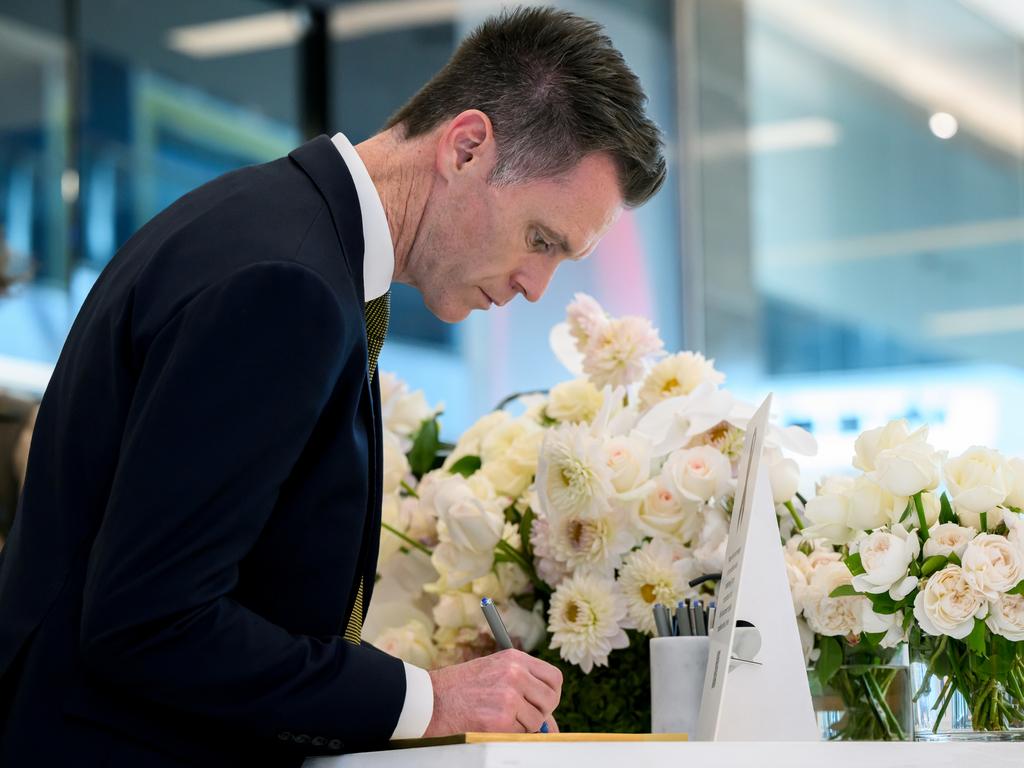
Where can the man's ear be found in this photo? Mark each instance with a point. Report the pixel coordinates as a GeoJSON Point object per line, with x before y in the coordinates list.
{"type": "Point", "coordinates": [466, 146]}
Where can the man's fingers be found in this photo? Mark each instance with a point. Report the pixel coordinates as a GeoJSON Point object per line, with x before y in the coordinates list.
{"type": "Point", "coordinates": [552, 724]}
{"type": "Point", "coordinates": [549, 674]}
{"type": "Point", "coordinates": [539, 694]}
{"type": "Point", "coordinates": [529, 717]}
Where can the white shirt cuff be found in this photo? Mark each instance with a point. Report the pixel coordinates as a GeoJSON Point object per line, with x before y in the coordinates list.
{"type": "Point", "coordinates": [419, 704]}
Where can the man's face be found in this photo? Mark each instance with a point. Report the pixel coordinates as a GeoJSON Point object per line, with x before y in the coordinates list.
{"type": "Point", "coordinates": [482, 244]}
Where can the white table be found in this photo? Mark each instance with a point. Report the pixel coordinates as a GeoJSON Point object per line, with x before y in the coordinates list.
{"type": "Point", "coordinates": [690, 755]}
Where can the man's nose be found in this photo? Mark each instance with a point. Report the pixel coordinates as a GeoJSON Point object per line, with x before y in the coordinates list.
{"type": "Point", "coordinates": [535, 278]}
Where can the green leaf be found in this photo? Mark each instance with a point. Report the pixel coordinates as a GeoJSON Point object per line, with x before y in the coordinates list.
{"type": "Point", "coordinates": [830, 660]}
{"type": "Point", "coordinates": [954, 559]}
{"type": "Point", "coordinates": [907, 511]}
{"type": "Point", "coordinates": [933, 564]}
{"type": "Point", "coordinates": [466, 466]}
{"type": "Point", "coordinates": [844, 590]}
{"type": "Point", "coordinates": [424, 448]}
{"type": "Point", "coordinates": [854, 564]}
{"type": "Point", "coordinates": [883, 604]}
{"type": "Point", "coordinates": [976, 640]}
{"type": "Point", "coordinates": [946, 514]}
{"type": "Point", "coordinates": [525, 525]}
{"type": "Point", "coordinates": [873, 638]}
{"type": "Point", "coordinates": [1018, 590]}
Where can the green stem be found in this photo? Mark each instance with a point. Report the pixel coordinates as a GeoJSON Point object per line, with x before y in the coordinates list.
{"type": "Point", "coordinates": [984, 522]}
{"type": "Point", "coordinates": [919, 505]}
{"type": "Point", "coordinates": [410, 490]}
{"type": "Point", "coordinates": [523, 563]}
{"type": "Point", "coordinates": [411, 542]}
{"type": "Point", "coordinates": [892, 725]}
{"type": "Point", "coordinates": [796, 518]}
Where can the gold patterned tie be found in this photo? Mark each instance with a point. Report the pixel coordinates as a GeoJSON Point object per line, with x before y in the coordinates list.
{"type": "Point", "coordinates": [377, 312]}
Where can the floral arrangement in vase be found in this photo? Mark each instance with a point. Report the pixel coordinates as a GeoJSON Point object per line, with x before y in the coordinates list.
{"type": "Point", "coordinates": [606, 495]}
{"type": "Point", "coordinates": [941, 572]}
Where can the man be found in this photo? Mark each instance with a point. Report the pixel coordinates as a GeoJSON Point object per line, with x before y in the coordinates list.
{"type": "Point", "coordinates": [186, 578]}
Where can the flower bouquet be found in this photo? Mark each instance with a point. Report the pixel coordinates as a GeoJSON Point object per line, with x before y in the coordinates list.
{"type": "Point", "coordinates": [944, 572]}
{"type": "Point", "coordinates": [604, 496]}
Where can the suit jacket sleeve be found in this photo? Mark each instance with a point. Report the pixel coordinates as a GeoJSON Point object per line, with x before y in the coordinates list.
{"type": "Point", "coordinates": [227, 397]}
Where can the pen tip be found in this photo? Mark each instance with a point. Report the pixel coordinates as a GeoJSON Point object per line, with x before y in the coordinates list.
{"type": "Point", "coordinates": [485, 601]}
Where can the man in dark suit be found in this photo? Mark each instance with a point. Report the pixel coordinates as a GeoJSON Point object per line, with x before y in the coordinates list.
{"type": "Point", "coordinates": [189, 569]}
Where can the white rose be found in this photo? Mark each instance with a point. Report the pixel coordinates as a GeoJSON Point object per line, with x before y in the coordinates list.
{"type": "Point", "coordinates": [978, 480]}
{"type": "Point", "coordinates": [574, 401]}
{"type": "Point", "coordinates": [992, 565]}
{"type": "Point", "coordinates": [472, 523]}
{"type": "Point", "coordinates": [807, 638]}
{"type": "Point", "coordinates": [402, 411]}
{"type": "Point", "coordinates": [422, 520]}
{"type": "Point", "coordinates": [832, 616]}
{"type": "Point", "coordinates": [784, 475]}
{"type": "Point", "coordinates": [665, 512]}
{"type": "Point", "coordinates": [629, 459]}
{"type": "Point", "coordinates": [459, 609]}
{"type": "Point", "coordinates": [798, 567]}
{"type": "Point", "coordinates": [827, 516]}
{"type": "Point", "coordinates": [886, 556]}
{"type": "Point", "coordinates": [469, 443]}
{"type": "Point", "coordinates": [528, 627]}
{"type": "Point", "coordinates": [948, 605]}
{"type": "Point", "coordinates": [509, 478]}
{"type": "Point", "coordinates": [873, 441]}
{"type": "Point", "coordinates": [411, 642]}
{"type": "Point", "coordinates": [1006, 617]}
{"type": "Point", "coordinates": [699, 473]}
{"type": "Point", "coordinates": [396, 465]}
{"type": "Point", "coordinates": [501, 584]}
{"type": "Point", "coordinates": [834, 485]}
{"type": "Point", "coordinates": [890, 623]}
{"type": "Point", "coordinates": [1016, 496]}
{"type": "Point", "coordinates": [872, 506]}
{"type": "Point", "coordinates": [947, 539]}
{"type": "Point", "coordinates": [497, 443]}
{"type": "Point", "coordinates": [993, 518]}
{"type": "Point", "coordinates": [908, 468]}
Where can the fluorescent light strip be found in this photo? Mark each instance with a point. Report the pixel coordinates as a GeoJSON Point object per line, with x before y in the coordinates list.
{"type": "Point", "coordinates": [246, 34]}
{"type": "Point", "coordinates": [804, 133]}
{"type": "Point", "coordinates": [976, 322]}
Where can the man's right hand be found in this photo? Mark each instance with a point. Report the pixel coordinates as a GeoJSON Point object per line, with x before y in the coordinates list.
{"type": "Point", "coordinates": [506, 692]}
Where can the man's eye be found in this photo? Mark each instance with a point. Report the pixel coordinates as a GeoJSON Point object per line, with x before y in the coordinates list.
{"type": "Point", "coordinates": [541, 243]}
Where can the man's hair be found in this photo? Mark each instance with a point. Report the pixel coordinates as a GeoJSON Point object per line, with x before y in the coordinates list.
{"type": "Point", "coordinates": [555, 90]}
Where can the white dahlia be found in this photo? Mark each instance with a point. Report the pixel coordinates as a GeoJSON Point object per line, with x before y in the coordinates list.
{"type": "Point", "coordinates": [678, 375]}
{"type": "Point", "coordinates": [592, 544]}
{"type": "Point", "coordinates": [584, 619]}
{"type": "Point", "coordinates": [573, 476]}
{"type": "Point", "coordinates": [656, 573]}
{"type": "Point", "coordinates": [618, 351]}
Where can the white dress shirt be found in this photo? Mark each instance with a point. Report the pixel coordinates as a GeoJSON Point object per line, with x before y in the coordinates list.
{"type": "Point", "coordinates": [378, 270]}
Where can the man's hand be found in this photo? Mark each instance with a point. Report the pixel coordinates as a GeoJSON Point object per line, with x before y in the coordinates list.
{"type": "Point", "coordinates": [506, 692]}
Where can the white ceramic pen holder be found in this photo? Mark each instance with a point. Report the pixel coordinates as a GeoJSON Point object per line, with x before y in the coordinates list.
{"type": "Point", "coordinates": [678, 665]}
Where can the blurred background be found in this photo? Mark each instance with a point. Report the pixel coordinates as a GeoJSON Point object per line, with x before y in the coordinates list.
{"type": "Point", "coordinates": [843, 222]}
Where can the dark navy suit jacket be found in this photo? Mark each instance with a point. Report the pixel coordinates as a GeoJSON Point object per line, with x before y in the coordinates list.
{"type": "Point", "coordinates": [203, 495]}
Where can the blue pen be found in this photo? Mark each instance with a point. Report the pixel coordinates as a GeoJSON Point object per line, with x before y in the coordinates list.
{"type": "Point", "coordinates": [501, 635]}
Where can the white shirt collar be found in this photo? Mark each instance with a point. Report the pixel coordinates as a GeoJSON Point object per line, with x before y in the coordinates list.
{"type": "Point", "coordinates": [379, 253]}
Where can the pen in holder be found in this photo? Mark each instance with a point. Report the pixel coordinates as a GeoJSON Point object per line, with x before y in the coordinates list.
{"type": "Point", "coordinates": [678, 665]}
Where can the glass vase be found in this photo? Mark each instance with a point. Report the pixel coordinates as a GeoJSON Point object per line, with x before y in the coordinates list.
{"type": "Point", "coordinates": [864, 702]}
{"type": "Point", "coordinates": [954, 721]}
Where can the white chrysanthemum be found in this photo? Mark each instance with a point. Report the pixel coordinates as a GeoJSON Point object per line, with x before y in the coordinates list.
{"type": "Point", "coordinates": [551, 570]}
{"type": "Point", "coordinates": [573, 477]}
{"type": "Point", "coordinates": [592, 544]}
{"type": "Point", "coordinates": [584, 619]}
{"type": "Point", "coordinates": [678, 375]}
{"type": "Point", "coordinates": [656, 573]}
{"type": "Point", "coordinates": [618, 352]}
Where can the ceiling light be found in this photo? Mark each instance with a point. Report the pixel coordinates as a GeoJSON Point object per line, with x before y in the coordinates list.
{"type": "Point", "coordinates": [245, 34]}
{"type": "Point", "coordinates": [943, 125]}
